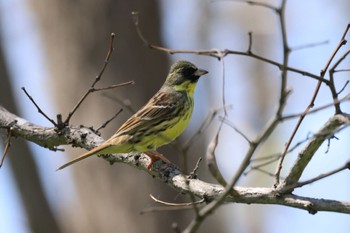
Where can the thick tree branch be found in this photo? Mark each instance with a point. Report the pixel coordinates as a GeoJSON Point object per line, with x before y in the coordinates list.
{"type": "Point", "coordinates": [84, 137]}
{"type": "Point", "coordinates": [47, 137]}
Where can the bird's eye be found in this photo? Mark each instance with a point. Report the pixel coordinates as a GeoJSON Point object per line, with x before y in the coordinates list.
{"type": "Point", "coordinates": [188, 71]}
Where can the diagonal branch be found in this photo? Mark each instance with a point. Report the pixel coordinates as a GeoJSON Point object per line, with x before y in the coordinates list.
{"type": "Point", "coordinates": [327, 131]}
{"type": "Point", "coordinates": [97, 78]}
{"type": "Point", "coordinates": [341, 43]}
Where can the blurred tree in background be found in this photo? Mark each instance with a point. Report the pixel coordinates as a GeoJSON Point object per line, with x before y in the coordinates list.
{"type": "Point", "coordinates": [96, 197]}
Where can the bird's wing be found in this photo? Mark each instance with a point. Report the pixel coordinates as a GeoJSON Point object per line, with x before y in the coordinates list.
{"type": "Point", "coordinates": [161, 107]}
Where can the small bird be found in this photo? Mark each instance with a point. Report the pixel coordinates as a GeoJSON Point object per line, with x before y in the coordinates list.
{"type": "Point", "coordinates": [159, 122]}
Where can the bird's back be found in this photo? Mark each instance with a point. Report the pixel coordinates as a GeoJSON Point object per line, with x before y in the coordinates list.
{"type": "Point", "coordinates": [157, 123]}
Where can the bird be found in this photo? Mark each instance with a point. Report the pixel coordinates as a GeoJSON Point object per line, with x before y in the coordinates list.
{"type": "Point", "coordinates": [161, 120]}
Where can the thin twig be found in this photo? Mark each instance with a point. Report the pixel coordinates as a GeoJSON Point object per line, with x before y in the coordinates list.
{"type": "Point", "coordinates": [311, 104]}
{"type": "Point", "coordinates": [176, 204]}
{"type": "Point", "coordinates": [38, 108]}
{"type": "Point", "coordinates": [211, 159]}
{"type": "Point", "coordinates": [220, 53]}
{"type": "Point", "coordinates": [125, 103]}
{"type": "Point", "coordinates": [223, 87]}
{"type": "Point", "coordinates": [306, 46]}
{"type": "Point", "coordinates": [211, 207]}
{"type": "Point", "coordinates": [342, 70]}
{"type": "Point", "coordinates": [321, 176]}
{"type": "Point", "coordinates": [193, 174]}
{"type": "Point", "coordinates": [334, 125]}
{"type": "Point", "coordinates": [7, 146]}
{"type": "Point", "coordinates": [343, 88]}
{"type": "Point", "coordinates": [340, 60]}
{"type": "Point", "coordinates": [329, 143]}
{"type": "Point", "coordinates": [202, 128]}
{"type": "Point", "coordinates": [267, 160]}
{"type": "Point", "coordinates": [332, 86]}
{"type": "Point", "coordinates": [253, 3]}
{"type": "Point", "coordinates": [259, 166]}
{"type": "Point", "coordinates": [229, 123]}
{"type": "Point", "coordinates": [277, 118]}
{"type": "Point", "coordinates": [111, 119]}
{"type": "Point", "coordinates": [264, 171]}
{"type": "Point", "coordinates": [210, 155]}
{"type": "Point", "coordinates": [250, 44]}
{"type": "Point", "coordinates": [115, 86]}
{"type": "Point", "coordinates": [345, 98]}
{"type": "Point", "coordinates": [98, 77]}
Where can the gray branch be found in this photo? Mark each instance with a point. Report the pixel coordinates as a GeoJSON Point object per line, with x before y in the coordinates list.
{"type": "Point", "coordinates": [328, 130]}
{"type": "Point", "coordinates": [86, 138]}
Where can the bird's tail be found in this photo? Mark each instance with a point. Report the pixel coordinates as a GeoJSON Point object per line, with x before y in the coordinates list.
{"type": "Point", "coordinates": [94, 151]}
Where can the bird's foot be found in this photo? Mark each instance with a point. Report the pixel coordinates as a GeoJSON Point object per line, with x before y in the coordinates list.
{"type": "Point", "coordinates": [154, 156]}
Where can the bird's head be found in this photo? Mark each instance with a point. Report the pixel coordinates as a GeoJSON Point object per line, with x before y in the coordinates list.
{"type": "Point", "coordinates": [183, 76]}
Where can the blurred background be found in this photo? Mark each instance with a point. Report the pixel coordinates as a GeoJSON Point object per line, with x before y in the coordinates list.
{"type": "Point", "coordinates": [56, 48]}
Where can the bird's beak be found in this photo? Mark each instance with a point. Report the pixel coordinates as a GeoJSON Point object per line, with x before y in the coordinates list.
{"type": "Point", "coordinates": [200, 72]}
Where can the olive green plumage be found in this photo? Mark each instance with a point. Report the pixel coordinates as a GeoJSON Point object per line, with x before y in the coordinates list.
{"type": "Point", "coordinates": [160, 121]}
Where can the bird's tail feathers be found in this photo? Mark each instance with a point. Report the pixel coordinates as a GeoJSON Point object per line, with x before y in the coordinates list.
{"type": "Point", "coordinates": [94, 151]}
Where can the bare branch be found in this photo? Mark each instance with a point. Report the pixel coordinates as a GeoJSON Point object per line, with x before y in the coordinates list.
{"type": "Point", "coordinates": [311, 104]}
{"type": "Point", "coordinates": [38, 108]}
{"type": "Point", "coordinates": [171, 176]}
{"type": "Point", "coordinates": [253, 3]}
{"type": "Point", "coordinates": [229, 123]}
{"type": "Point", "coordinates": [98, 77]}
{"type": "Point", "coordinates": [219, 54]}
{"type": "Point", "coordinates": [114, 86]}
{"type": "Point", "coordinates": [306, 46]}
{"type": "Point", "coordinates": [211, 159]}
{"type": "Point", "coordinates": [193, 174]}
{"type": "Point", "coordinates": [202, 128]}
{"type": "Point", "coordinates": [342, 70]}
{"type": "Point", "coordinates": [332, 87]}
{"type": "Point", "coordinates": [322, 176]}
{"type": "Point", "coordinates": [195, 136]}
{"type": "Point", "coordinates": [109, 120]}
{"type": "Point", "coordinates": [343, 88]}
{"type": "Point", "coordinates": [210, 155]}
{"type": "Point", "coordinates": [267, 160]}
{"type": "Point", "coordinates": [345, 98]}
{"type": "Point", "coordinates": [176, 204]}
{"type": "Point", "coordinates": [328, 130]}
{"type": "Point", "coordinates": [250, 44]}
{"type": "Point", "coordinates": [45, 136]}
{"type": "Point", "coordinates": [7, 146]}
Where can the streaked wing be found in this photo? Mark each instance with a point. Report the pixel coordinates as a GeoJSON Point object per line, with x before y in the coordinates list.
{"type": "Point", "coordinates": [160, 108]}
